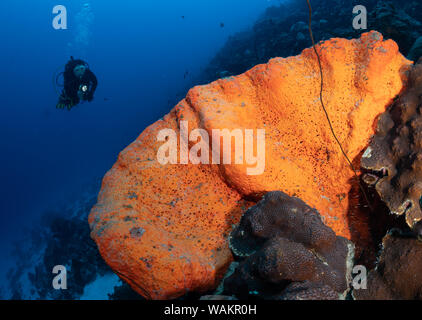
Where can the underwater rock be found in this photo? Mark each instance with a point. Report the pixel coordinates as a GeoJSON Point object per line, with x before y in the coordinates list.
{"type": "Point", "coordinates": [398, 20]}
{"type": "Point", "coordinates": [288, 253]}
{"type": "Point", "coordinates": [416, 50]}
{"type": "Point", "coordinates": [398, 273]}
{"type": "Point", "coordinates": [310, 291]}
{"type": "Point", "coordinates": [395, 23]}
{"type": "Point", "coordinates": [61, 237]}
{"type": "Point", "coordinates": [299, 26]}
{"type": "Point", "coordinates": [393, 160]}
{"type": "Point", "coordinates": [164, 228]}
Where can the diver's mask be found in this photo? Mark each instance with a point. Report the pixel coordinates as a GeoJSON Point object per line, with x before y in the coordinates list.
{"type": "Point", "coordinates": [79, 71]}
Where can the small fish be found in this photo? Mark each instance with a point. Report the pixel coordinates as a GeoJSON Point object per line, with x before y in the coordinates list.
{"type": "Point", "coordinates": [221, 25]}
{"type": "Point", "coordinates": [186, 74]}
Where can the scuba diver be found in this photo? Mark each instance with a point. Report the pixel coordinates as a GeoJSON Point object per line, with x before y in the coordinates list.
{"type": "Point", "coordinates": [79, 84]}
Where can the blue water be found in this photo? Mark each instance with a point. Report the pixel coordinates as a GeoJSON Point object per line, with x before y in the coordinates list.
{"type": "Point", "coordinates": [139, 50]}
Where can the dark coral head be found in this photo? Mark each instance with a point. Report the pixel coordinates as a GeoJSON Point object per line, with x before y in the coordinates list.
{"type": "Point", "coordinates": [392, 163]}
{"type": "Point", "coordinates": [282, 244]}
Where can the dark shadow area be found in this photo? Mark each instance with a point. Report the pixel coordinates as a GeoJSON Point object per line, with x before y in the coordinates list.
{"type": "Point", "coordinates": [371, 222]}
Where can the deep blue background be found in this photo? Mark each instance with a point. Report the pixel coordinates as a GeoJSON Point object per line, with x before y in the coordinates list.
{"type": "Point", "coordinates": [139, 51]}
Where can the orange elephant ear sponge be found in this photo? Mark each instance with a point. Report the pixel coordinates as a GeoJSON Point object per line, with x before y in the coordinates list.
{"type": "Point", "coordinates": [163, 227]}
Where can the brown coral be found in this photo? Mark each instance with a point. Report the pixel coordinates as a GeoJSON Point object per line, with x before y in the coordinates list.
{"type": "Point", "coordinates": [163, 228]}
{"type": "Point", "coordinates": [393, 160]}
{"type": "Point", "coordinates": [288, 253]}
{"type": "Point", "coordinates": [398, 273]}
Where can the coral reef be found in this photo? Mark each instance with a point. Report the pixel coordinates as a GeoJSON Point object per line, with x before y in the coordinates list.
{"type": "Point", "coordinates": [287, 252]}
{"type": "Point", "coordinates": [281, 31]}
{"type": "Point", "coordinates": [398, 273]}
{"type": "Point", "coordinates": [163, 228]}
{"type": "Point", "coordinates": [62, 237]}
{"type": "Point", "coordinates": [390, 18]}
{"type": "Point", "coordinates": [416, 50]}
{"type": "Point", "coordinates": [393, 160]}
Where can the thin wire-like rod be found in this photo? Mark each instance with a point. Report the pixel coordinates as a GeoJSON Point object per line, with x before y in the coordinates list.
{"type": "Point", "coordinates": [325, 110]}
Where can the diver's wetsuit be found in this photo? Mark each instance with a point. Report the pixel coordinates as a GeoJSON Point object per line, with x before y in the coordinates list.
{"type": "Point", "coordinates": [69, 97]}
